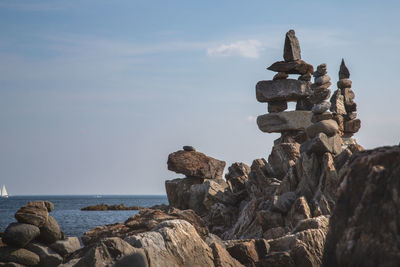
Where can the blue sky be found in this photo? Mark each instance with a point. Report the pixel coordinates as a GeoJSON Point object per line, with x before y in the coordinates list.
{"type": "Point", "coordinates": [94, 95]}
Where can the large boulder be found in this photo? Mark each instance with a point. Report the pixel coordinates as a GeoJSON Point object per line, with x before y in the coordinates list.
{"type": "Point", "coordinates": [282, 90]}
{"type": "Point", "coordinates": [173, 243]}
{"type": "Point", "coordinates": [278, 122]}
{"type": "Point", "coordinates": [18, 255]}
{"type": "Point", "coordinates": [178, 191]}
{"type": "Point", "coordinates": [104, 253]}
{"type": "Point", "coordinates": [146, 220]}
{"type": "Point", "coordinates": [48, 257]}
{"type": "Point", "coordinates": [195, 164]}
{"type": "Point", "coordinates": [66, 246]}
{"type": "Point", "coordinates": [364, 228]}
{"type": "Point", "coordinates": [50, 232]}
{"type": "Point", "coordinates": [35, 213]}
{"type": "Point", "coordinates": [20, 234]}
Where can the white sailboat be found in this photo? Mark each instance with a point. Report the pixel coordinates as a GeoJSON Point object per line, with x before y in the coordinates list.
{"type": "Point", "coordinates": [4, 193]}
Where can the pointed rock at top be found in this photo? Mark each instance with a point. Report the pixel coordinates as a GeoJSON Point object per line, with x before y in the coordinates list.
{"type": "Point", "coordinates": [291, 51]}
{"type": "Point", "coordinates": [344, 72]}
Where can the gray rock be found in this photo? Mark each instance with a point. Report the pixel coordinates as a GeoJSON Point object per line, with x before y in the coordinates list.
{"type": "Point", "coordinates": [291, 50]}
{"type": "Point", "coordinates": [320, 96]}
{"type": "Point", "coordinates": [284, 121]}
{"type": "Point", "coordinates": [322, 79]}
{"type": "Point", "coordinates": [320, 222]}
{"type": "Point", "coordinates": [321, 69]}
{"type": "Point", "coordinates": [137, 259]}
{"type": "Point", "coordinates": [50, 232]}
{"type": "Point", "coordinates": [277, 106]}
{"type": "Point", "coordinates": [292, 67]}
{"type": "Point", "coordinates": [173, 243]}
{"type": "Point", "coordinates": [282, 90]}
{"type": "Point", "coordinates": [344, 72]}
{"type": "Point", "coordinates": [18, 255]}
{"type": "Point", "coordinates": [66, 246]}
{"type": "Point", "coordinates": [104, 253]}
{"type": "Point", "coordinates": [344, 83]}
{"type": "Point", "coordinates": [328, 127]}
{"type": "Point", "coordinates": [178, 191]}
{"type": "Point", "coordinates": [321, 107]}
{"type": "Point", "coordinates": [320, 87]}
{"type": "Point", "coordinates": [48, 257]}
{"type": "Point", "coordinates": [280, 76]}
{"type": "Point", "coordinates": [195, 164]}
{"type": "Point", "coordinates": [283, 157]}
{"type": "Point", "coordinates": [20, 234]}
{"type": "Point", "coordinates": [321, 144]}
{"type": "Point", "coordinates": [321, 117]}
{"type": "Point", "coordinates": [284, 202]}
{"type": "Point", "coordinates": [49, 205]}
{"type": "Point", "coordinates": [305, 77]}
{"type": "Point", "coordinates": [303, 104]}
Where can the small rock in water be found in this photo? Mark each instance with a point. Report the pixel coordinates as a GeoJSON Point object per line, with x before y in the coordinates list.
{"type": "Point", "coordinates": [321, 107]}
{"type": "Point", "coordinates": [291, 50]}
{"type": "Point", "coordinates": [189, 148]}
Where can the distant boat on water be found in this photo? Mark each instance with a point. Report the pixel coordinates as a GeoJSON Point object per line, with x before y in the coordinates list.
{"type": "Point", "coordinates": [4, 193]}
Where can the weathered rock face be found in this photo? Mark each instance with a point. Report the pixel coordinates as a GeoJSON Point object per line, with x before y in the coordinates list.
{"type": "Point", "coordinates": [66, 246]}
{"type": "Point", "coordinates": [173, 243]}
{"type": "Point", "coordinates": [48, 257]}
{"type": "Point", "coordinates": [287, 90]}
{"type": "Point", "coordinates": [195, 164]}
{"type": "Point", "coordinates": [104, 253]}
{"type": "Point", "coordinates": [142, 222]}
{"type": "Point", "coordinates": [284, 121]}
{"type": "Point", "coordinates": [20, 234]}
{"type": "Point", "coordinates": [237, 177]}
{"type": "Point", "coordinates": [364, 228]}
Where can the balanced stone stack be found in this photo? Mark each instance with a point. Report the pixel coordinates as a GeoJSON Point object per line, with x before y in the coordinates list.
{"type": "Point", "coordinates": [323, 133]}
{"type": "Point", "coordinates": [277, 93]}
{"type": "Point", "coordinates": [36, 239]}
{"type": "Point", "coordinates": [203, 181]}
{"type": "Point", "coordinates": [343, 105]}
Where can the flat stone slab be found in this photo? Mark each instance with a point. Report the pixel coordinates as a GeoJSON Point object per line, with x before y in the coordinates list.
{"type": "Point", "coordinates": [288, 90]}
{"type": "Point", "coordinates": [278, 122]}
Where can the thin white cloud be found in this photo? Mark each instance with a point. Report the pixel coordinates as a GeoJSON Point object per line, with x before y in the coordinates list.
{"type": "Point", "coordinates": [247, 49]}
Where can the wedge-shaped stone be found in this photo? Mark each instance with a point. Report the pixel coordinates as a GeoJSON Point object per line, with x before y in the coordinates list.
{"type": "Point", "coordinates": [284, 121]}
{"type": "Point", "coordinates": [292, 67]}
{"type": "Point", "coordinates": [288, 90]}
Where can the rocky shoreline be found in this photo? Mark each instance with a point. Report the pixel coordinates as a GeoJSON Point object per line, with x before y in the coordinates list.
{"type": "Point", "coordinates": [319, 200]}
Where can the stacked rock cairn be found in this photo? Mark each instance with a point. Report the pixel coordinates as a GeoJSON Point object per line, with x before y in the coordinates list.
{"type": "Point", "coordinates": [277, 93]}
{"type": "Point", "coordinates": [36, 239]}
{"type": "Point", "coordinates": [323, 134]}
{"type": "Point", "coordinates": [343, 106]}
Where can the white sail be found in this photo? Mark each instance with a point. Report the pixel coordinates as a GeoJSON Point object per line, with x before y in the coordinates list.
{"type": "Point", "coordinates": [4, 191]}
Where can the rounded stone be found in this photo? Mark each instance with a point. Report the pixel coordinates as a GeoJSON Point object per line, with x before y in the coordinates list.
{"type": "Point", "coordinates": [20, 234]}
{"type": "Point", "coordinates": [321, 107]}
{"type": "Point", "coordinates": [322, 79]}
{"type": "Point", "coordinates": [344, 83]}
{"type": "Point", "coordinates": [50, 232]}
{"type": "Point", "coordinates": [328, 127]}
{"type": "Point", "coordinates": [188, 148]}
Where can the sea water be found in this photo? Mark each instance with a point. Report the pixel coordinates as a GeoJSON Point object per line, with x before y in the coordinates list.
{"type": "Point", "coordinates": [67, 210]}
